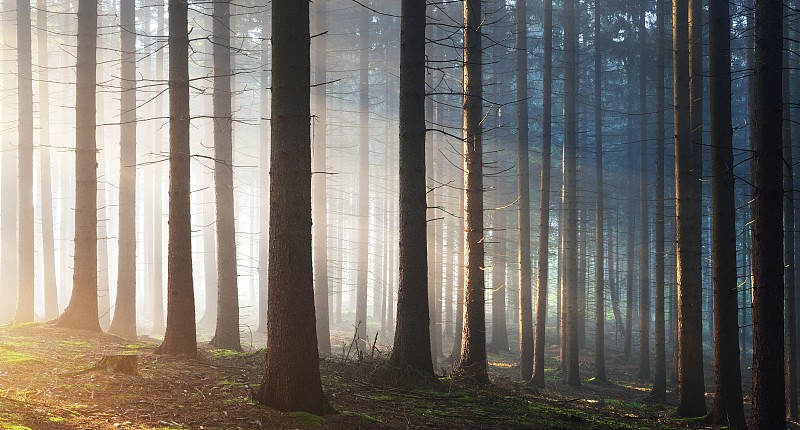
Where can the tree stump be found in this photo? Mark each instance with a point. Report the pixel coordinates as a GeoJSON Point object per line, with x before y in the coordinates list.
{"type": "Point", "coordinates": [122, 363]}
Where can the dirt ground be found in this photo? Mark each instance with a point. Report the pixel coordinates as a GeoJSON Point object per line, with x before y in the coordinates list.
{"type": "Point", "coordinates": [41, 389]}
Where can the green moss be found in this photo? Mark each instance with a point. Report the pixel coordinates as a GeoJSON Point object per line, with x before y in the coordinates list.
{"type": "Point", "coordinates": [371, 419]}
{"type": "Point", "coordinates": [308, 419]}
{"type": "Point", "coordinates": [57, 419]}
{"type": "Point", "coordinates": [15, 427]}
{"type": "Point", "coordinates": [225, 353]}
{"type": "Point", "coordinates": [8, 356]}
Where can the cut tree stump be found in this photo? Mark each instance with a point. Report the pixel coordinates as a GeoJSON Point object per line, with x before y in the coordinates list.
{"type": "Point", "coordinates": [123, 363]}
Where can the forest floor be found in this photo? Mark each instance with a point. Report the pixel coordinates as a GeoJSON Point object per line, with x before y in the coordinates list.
{"type": "Point", "coordinates": [41, 389]}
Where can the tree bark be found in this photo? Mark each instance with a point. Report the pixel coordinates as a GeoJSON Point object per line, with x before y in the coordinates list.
{"type": "Point", "coordinates": [769, 402]}
{"type": "Point", "coordinates": [472, 365]}
{"type": "Point", "coordinates": [644, 225]}
{"type": "Point", "coordinates": [727, 374]}
{"type": "Point", "coordinates": [688, 163]}
{"type": "Point", "coordinates": [25, 285]}
{"type": "Point", "coordinates": [544, 207]}
{"type": "Point", "coordinates": [181, 333]}
{"type": "Point", "coordinates": [124, 322]}
{"type": "Point", "coordinates": [291, 376]}
{"type": "Point", "coordinates": [81, 313]}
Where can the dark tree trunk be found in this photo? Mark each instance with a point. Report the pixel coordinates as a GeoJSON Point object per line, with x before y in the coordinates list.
{"type": "Point", "coordinates": [788, 237]}
{"type": "Point", "coordinates": [48, 240]}
{"type": "Point", "coordinates": [124, 323]}
{"type": "Point", "coordinates": [659, 391]}
{"type": "Point", "coordinates": [226, 335]}
{"type": "Point", "coordinates": [181, 333]}
{"type": "Point", "coordinates": [544, 208]}
{"type": "Point", "coordinates": [472, 364]}
{"type": "Point", "coordinates": [727, 374]}
{"type": "Point", "coordinates": [291, 376]}
{"type": "Point", "coordinates": [523, 190]}
{"type": "Point", "coordinates": [81, 313]}
{"type": "Point", "coordinates": [600, 305]}
{"type": "Point", "coordinates": [319, 181]}
{"type": "Point", "coordinates": [25, 293]}
{"type": "Point", "coordinates": [688, 161]}
{"type": "Point", "coordinates": [412, 347]}
{"type": "Point", "coordinates": [769, 402]}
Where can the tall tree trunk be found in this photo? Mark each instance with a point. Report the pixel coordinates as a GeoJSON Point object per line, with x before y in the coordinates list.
{"type": "Point", "coordinates": [644, 225]}
{"type": "Point", "coordinates": [363, 180]}
{"type": "Point", "coordinates": [630, 257]}
{"type": "Point", "coordinates": [291, 376]}
{"type": "Point", "coordinates": [158, 216]}
{"type": "Point", "coordinates": [769, 402]}
{"type": "Point", "coordinates": [473, 343]}
{"type": "Point", "coordinates": [727, 374]}
{"type": "Point", "coordinates": [25, 291]}
{"type": "Point", "coordinates": [599, 280]}
{"type": "Point", "coordinates": [412, 347]}
{"type": "Point", "coordinates": [788, 237]}
{"type": "Point", "coordinates": [458, 331]}
{"type": "Point", "coordinates": [319, 183]}
{"type": "Point", "coordinates": [81, 313]}
{"type": "Point", "coordinates": [48, 241]}
{"type": "Point", "coordinates": [688, 163]}
{"type": "Point", "coordinates": [226, 335]}
{"type": "Point", "coordinates": [9, 188]}
{"type": "Point", "coordinates": [181, 333]}
{"type": "Point", "coordinates": [124, 323]}
{"type": "Point", "coordinates": [659, 391]}
{"type": "Point", "coordinates": [263, 173]}
{"type": "Point", "coordinates": [572, 376]}
{"type": "Point", "coordinates": [499, 340]}
{"type": "Point", "coordinates": [544, 207]}
{"type": "Point", "coordinates": [524, 193]}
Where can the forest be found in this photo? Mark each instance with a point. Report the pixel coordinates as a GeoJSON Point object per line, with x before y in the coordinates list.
{"type": "Point", "coordinates": [347, 214]}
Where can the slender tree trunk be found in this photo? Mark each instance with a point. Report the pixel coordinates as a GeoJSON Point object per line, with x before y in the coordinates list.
{"type": "Point", "coordinates": [25, 291]}
{"type": "Point", "coordinates": [124, 323]}
{"type": "Point", "coordinates": [599, 280]}
{"type": "Point", "coordinates": [572, 376]}
{"type": "Point", "coordinates": [158, 216]}
{"type": "Point", "coordinates": [455, 354]}
{"type": "Point", "coordinates": [8, 209]}
{"type": "Point", "coordinates": [291, 384]}
{"type": "Point", "coordinates": [48, 241]}
{"type": "Point", "coordinates": [226, 335]}
{"type": "Point", "coordinates": [544, 208]}
{"type": "Point", "coordinates": [81, 313]}
{"type": "Point", "coordinates": [499, 340]}
{"type": "Point", "coordinates": [363, 180]}
{"type": "Point", "coordinates": [631, 233]}
{"type": "Point", "coordinates": [319, 177]}
{"type": "Point", "coordinates": [688, 163]}
{"type": "Point", "coordinates": [523, 190]}
{"type": "Point", "coordinates": [473, 343]}
{"type": "Point", "coordinates": [659, 391]}
{"type": "Point", "coordinates": [788, 237]}
{"type": "Point", "coordinates": [644, 225]}
{"type": "Point", "coordinates": [263, 172]}
{"type": "Point", "coordinates": [727, 374]}
{"type": "Point", "coordinates": [180, 336]}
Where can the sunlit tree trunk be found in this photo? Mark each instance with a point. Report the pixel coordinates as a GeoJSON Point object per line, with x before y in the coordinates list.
{"type": "Point", "coordinates": [25, 291]}
{"type": "Point", "coordinates": [81, 313]}
{"type": "Point", "coordinates": [291, 376]}
{"type": "Point", "coordinates": [180, 335]}
{"type": "Point", "coordinates": [472, 364]}
{"type": "Point", "coordinates": [124, 323]}
{"type": "Point", "coordinates": [48, 241]}
{"type": "Point", "coordinates": [544, 208]}
{"type": "Point", "coordinates": [9, 187]}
